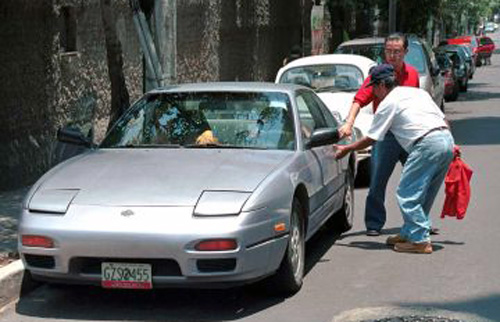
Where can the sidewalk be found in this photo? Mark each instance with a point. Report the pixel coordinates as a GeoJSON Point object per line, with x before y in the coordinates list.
{"type": "Point", "coordinates": [10, 208]}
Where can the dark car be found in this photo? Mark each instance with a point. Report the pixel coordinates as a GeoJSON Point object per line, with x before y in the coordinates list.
{"type": "Point", "coordinates": [451, 85]}
{"type": "Point", "coordinates": [420, 56]}
{"type": "Point", "coordinates": [461, 67]}
{"type": "Point", "coordinates": [469, 41]}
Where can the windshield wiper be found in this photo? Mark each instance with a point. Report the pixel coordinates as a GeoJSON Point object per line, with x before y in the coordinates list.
{"type": "Point", "coordinates": [335, 89]}
{"type": "Point", "coordinates": [221, 146]}
{"type": "Point", "coordinates": [148, 146]}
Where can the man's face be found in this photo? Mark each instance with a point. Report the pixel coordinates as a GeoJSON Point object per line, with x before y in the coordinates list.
{"type": "Point", "coordinates": [379, 90]}
{"type": "Point", "coordinates": [395, 53]}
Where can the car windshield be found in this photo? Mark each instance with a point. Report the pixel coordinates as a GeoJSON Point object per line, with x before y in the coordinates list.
{"type": "Point", "coordinates": [328, 77]}
{"type": "Point", "coordinates": [375, 51]}
{"type": "Point", "coordinates": [260, 120]}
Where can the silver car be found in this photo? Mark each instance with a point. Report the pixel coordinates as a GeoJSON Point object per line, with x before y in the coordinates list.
{"type": "Point", "coordinates": [201, 185]}
{"type": "Point", "coordinates": [420, 56]}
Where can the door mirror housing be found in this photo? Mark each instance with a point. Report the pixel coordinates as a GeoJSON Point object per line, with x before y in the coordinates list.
{"type": "Point", "coordinates": [73, 136]}
{"type": "Point", "coordinates": [323, 136]}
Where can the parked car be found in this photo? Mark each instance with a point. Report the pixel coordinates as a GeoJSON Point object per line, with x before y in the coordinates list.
{"type": "Point", "coordinates": [336, 79]}
{"type": "Point", "coordinates": [490, 27]}
{"type": "Point", "coordinates": [451, 85]}
{"type": "Point", "coordinates": [470, 41]}
{"type": "Point", "coordinates": [151, 207]}
{"type": "Point", "coordinates": [486, 48]}
{"type": "Point", "coordinates": [420, 56]}
{"type": "Point", "coordinates": [459, 63]}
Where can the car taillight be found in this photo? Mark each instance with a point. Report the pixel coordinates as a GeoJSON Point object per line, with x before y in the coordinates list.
{"type": "Point", "coordinates": [213, 245]}
{"type": "Point", "coordinates": [37, 241]}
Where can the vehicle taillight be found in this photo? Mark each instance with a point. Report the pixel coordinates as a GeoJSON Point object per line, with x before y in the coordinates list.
{"type": "Point", "coordinates": [213, 245]}
{"type": "Point", "coordinates": [37, 241]}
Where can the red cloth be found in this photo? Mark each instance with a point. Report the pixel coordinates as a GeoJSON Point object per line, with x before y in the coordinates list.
{"type": "Point", "coordinates": [364, 96]}
{"type": "Point", "coordinates": [457, 187]}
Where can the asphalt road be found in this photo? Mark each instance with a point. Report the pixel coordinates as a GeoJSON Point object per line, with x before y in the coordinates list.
{"type": "Point", "coordinates": [352, 272]}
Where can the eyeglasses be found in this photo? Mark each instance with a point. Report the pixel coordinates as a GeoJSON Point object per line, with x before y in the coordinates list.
{"type": "Point", "coordinates": [393, 52]}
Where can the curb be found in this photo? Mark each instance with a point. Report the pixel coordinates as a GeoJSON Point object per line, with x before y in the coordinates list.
{"type": "Point", "coordinates": [11, 278]}
{"type": "Point", "coordinates": [388, 312]}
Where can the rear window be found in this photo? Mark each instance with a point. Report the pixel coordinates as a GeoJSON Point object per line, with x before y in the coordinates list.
{"type": "Point", "coordinates": [415, 57]}
{"type": "Point", "coordinates": [486, 41]}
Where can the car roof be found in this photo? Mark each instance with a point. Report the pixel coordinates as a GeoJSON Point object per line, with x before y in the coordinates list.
{"type": "Point", "coordinates": [347, 59]}
{"type": "Point", "coordinates": [229, 87]}
{"type": "Point", "coordinates": [363, 41]}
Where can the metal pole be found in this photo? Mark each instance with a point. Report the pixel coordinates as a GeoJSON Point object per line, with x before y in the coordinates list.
{"type": "Point", "coordinates": [165, 14]}
{"type": "Point", "coordinates": [392, 16]}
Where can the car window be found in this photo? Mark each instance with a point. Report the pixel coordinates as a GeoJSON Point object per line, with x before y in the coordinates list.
{"type": "Point", "coordinates": [310, 114]}
{"type": "Point", "coordinates": [416, 57]}
{"type": "Point", "coordinates": [373, 51]}
{"type": "Point", "coordinates": [236, 119]}
{"type": "Point", "coordinates": [327, 77]}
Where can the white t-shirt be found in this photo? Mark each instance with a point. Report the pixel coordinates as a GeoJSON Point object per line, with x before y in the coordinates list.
{"type": "Point", "coordinates": [409, 113]}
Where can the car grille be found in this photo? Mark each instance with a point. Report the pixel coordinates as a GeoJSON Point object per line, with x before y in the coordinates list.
{"type": "Point", "coordinates": [216, 265]}
{"type": "Point", "coordinates": [92, 265]}
{"type": "Point", "coordinates": [40, 261]}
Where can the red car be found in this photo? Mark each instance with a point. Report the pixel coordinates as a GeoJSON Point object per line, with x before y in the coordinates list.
{"type": "Point", "coordinates": [485, 49]}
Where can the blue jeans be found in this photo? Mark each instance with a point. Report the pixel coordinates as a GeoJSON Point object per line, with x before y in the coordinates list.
{"type": "Point", "coordinates": [422, 176]}
{"type": "Point", "coordinates": [385, 155]}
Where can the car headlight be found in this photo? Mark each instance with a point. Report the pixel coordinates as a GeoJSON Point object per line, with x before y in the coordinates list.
{"type": "Point", "coordinates": [52, 201]}
{"type": "Point", "coordinates": [220, 203]}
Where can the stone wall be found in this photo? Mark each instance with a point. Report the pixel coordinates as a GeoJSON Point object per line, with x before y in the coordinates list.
{"type": "Point", "coordinates": [243, 40]}
{"type": "Point", "coordinates": [45, 87]}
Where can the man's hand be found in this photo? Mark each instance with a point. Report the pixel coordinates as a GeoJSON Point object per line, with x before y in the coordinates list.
{"type": "Point", "coordinates": [345, 130]}
{"type": "Point", "coordinates": [341, 151]}
{"type": "Point", "coordinates": [206, 137]}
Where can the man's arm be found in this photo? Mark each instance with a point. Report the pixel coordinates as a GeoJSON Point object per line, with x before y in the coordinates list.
{"type": "Point", "coordinates": [343, 150]}
{"type": "Point", "coordinates": [346, 129]}
{"type": "Point", "coordinates": [363, 97]}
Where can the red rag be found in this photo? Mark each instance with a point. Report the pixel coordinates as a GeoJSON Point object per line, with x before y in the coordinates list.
{"type": "Point", "coordinates": [457, 187]}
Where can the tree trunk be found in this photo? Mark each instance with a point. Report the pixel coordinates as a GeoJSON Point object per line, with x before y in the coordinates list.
{"type": "Point", "coordinates": [119, 94]}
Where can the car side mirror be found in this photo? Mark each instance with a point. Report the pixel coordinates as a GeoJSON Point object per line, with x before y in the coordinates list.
{"type": "Point", "coordinates": [73, 136]}
{"type": "Point", "coordinates": [323, 136]}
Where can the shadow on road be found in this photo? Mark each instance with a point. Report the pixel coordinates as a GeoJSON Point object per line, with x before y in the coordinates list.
{"type": "Point", "coordinates": [476, 131]}
{"type": "Point", "coordinates": [486, 307]}
{"type": "Point", "coordinates": [94, 303]}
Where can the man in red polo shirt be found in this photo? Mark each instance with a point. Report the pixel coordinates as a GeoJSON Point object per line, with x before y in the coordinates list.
{"type": "Point", "coordinates": [387, 152]}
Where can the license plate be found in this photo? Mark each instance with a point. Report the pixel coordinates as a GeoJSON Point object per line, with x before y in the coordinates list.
{"type": "Point", "coordinates": [126, 275]}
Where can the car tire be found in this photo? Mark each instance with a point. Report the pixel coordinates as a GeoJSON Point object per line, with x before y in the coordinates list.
{"type": "Point", "coordinates": [343, 219]}
{"type": "Point", "coordinates": [289, 277]}
{"type": "Point", "coordinates": [464, 85]}
{"type": "Point", "coordinates": [454, 95]}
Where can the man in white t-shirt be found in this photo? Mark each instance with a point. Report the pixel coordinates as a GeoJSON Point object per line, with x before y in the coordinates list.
{"type": "Point", "coordinates": [420, 128]}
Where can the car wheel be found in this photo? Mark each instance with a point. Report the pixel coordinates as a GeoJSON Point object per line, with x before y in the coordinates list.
{"type": "Point", "coordinates": [288, 279]}
{"type": "Point", "coordinates": [342, 221]}
{"type": "Point", "coordinates": [463, 85]}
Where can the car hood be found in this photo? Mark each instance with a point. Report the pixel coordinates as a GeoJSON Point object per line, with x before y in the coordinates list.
{"type": "Point", "coordinates": [341, 102]}
{"type": "Point", "coordinates": [159, 177]}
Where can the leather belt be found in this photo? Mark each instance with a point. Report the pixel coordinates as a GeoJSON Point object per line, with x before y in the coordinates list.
{"type": "Point", "coordinates": [441, 128]}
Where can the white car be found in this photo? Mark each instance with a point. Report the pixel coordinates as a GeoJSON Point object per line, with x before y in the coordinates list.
{"type": "Point", "coordinates": [336, 79]}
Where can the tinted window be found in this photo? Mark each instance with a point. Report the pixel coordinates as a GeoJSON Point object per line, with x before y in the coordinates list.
{"type": "Point", "coordinates": [310, 115]}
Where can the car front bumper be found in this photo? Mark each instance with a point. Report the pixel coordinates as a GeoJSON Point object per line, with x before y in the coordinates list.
{"type": "Point", "coordinates": [164, 237]}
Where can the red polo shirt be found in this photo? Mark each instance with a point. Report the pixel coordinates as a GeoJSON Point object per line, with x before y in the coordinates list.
{"type": "Point", "coordinates": [408, 77]}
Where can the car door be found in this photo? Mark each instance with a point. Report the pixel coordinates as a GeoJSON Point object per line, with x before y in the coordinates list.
{"type": "Point", "coordinates": [436, 76]}
{"type": "Point", "coordinates": [311, 117]}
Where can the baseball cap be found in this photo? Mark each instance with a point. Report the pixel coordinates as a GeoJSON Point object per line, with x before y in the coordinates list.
{"type": "Point", "coordinates": [380, 73]}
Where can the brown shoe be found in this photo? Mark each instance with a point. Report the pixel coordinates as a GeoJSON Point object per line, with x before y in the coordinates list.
{"type": "Point", "coordinates": [393, 240]}
{"type": "Point", "coordinates": [407, 247]}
